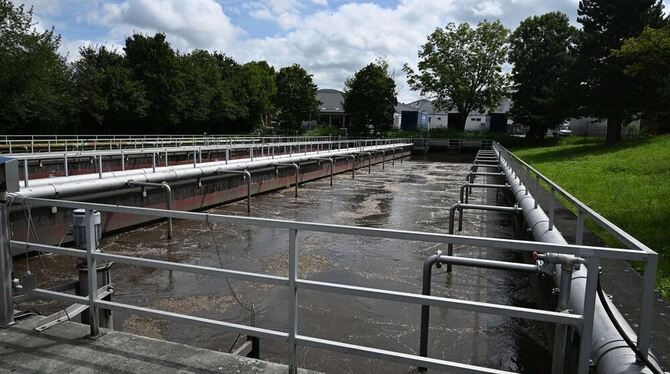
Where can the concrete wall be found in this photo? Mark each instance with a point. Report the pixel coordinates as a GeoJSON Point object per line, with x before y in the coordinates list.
{"type": "Point", "coordinates": [52, 226]}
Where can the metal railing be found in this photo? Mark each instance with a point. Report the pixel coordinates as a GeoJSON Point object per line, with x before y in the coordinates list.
{"type": "Point", "coordinates": [161, 156]}
{"type": "Point", "coordinates": [292, 335]}
{"type": "Point", "coordinates": [47, 143]}
{"type": "Point", "coordinates": [584, 211]}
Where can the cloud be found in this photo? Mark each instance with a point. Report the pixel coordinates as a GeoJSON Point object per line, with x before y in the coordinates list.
{"type": "Point", "coordinates": [486, 8]}
{"type": "Point", "coordinates": [188, 24]}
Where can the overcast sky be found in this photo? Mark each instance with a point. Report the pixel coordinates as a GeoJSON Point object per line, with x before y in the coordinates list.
{"type": "Point", "coordinates": [330, 38]}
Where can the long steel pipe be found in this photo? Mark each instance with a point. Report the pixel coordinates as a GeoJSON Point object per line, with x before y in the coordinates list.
{"type": "Point", "coordinates": [61, 187]}
{"type": "Point", "coordinates": [609, 353]}
{"type": "Point", "coordinates": [168, 202]}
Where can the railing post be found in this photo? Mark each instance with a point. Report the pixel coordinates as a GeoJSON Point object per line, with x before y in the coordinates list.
{"type": "Point", "coordinates": [7, 312]}
{"type": "Point", "coordinates": [92, 274]}
{"type": "Point", "coordinates": [584, 361]}
{"type": "Point", "coordinates": [647, 304]}
{"type": "Point", "coordinates": [552, 208]}
{"type": "Point", "coordinates": [292, 299]}
{"type": "Point", "coordinates": [579, 232]}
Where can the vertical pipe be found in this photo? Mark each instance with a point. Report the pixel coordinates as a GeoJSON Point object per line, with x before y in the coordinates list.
{"type": "Point", "coordinates": [25, 173]}
{"type": "Point", "coordinates": [195, 158]}
{"type": "Point", "coordinates": [292, 299]}
{"type": "Point", "coordinates": [123, 161]}
{"type": "Point", "coordinates": [425, 309]}
{"type": "Point", "coordinates": [99, 166]}
{"type": "Point", "coordinates": [561, 330]}
{"type": "Point", "coordinates": [7, 312]}
{"type": "Point", "coordinates": [251, 152]}
{"type": "Point", "coordinates": [92, 275]}
{"type": "Point", "coordinates": [227, 154]}
{"type": "Point", "coordinates": [247, 176]}
{"type": "Point", "coordinates": [65, 165]}
{"type": "Point", "coordinates": [168, 204]}
{"type": "Point", "coordinates": [153, 162]}
{"type": "Point", "coordinates": [166, 158]}
{"type": "Point", "coordinates": [297, 176]}
{"type": "Point", "coordinates": [332, 165]}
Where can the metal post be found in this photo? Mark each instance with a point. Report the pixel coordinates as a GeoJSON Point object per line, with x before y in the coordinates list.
{"type": "Point", "coordinates": [292, 299]}
{"type": "Point", "coordinates": [251, 152]}
{"type": "Point", "coordinates": [383, 159]}
{"type": "Point", "coordinates": [332, 165]}
{"type": "Point", "coordinates": [195, 158]}
{"type": "Point", "coordinates": [647, 304]}
{"type": "Point", "coordinates": [166, 158]}
{"type": "Point", "coordinates": [589, 308]}
{"type": "Point", "coordinates": [552, 208]}
{"type": "Point", "coordinates": [25, 173]}
{"type": "Point", "coordinates": [65, 165]}
{"type": "Point", "coordinates": [227, 154]}
{"type": "Point", "coordinates": [92, 275]}
{"type": "Point", "coordinates": [99, 166]}
{"type": "Point", "coordinates": [297, 177]}
{"type": "Point", "coordinates": [7, 312]}
{"type": "Point", "coordinates": [153, 161]}
{"type": "Point", "coordinates": [579, 233]}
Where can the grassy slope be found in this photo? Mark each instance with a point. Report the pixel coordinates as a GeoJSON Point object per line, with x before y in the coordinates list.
{"type": "Point", "coordinates": [628, 184]}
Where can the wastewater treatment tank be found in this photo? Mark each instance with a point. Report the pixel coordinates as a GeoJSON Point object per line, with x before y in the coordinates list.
{"type": "Point", "coordinates": [413, 195]}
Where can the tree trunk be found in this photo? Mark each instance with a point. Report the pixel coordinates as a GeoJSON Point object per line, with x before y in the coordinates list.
{"type": "Point", "coordinates": [613, 131]}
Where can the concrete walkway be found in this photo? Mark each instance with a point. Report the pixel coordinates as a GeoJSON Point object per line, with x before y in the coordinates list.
{"type": "Point", "coordinates": [65, 348]}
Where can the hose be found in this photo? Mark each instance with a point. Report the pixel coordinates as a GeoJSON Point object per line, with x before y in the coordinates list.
{"type": "Point", "coordinates": [626, 338]}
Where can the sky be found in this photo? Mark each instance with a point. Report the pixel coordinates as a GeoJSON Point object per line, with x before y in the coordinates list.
{"type": "Point", "coordinates": [331, 39]}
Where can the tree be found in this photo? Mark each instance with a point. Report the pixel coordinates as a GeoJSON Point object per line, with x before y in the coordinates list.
{"type": "Point", "coordinates": [296, 96]}
{"type": "Point", "coordinates": [542, 60]}
{"type": "Point", "coordinates": [461, 68]}
{"type": "Point", "coordinates": [607, 92]}
{"type": "Point", "coordinates": [370, 97]}
{"type": "Point", "coordinates": [260, 91]}
{"type": "Point", "coordinates": [154, 64]}
{"type": "Point", "coordinates": [107, 96]}
{"type": "Point", "coordinates": [35, 90]}
{"type": "Point", "coordinates": [647, 59]}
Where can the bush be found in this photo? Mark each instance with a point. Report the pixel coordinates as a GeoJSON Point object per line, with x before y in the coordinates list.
{"type": "Point", "coordinates": [325, 131]}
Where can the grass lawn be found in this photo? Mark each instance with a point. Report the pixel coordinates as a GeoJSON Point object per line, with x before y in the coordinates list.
{"type": "Point", "coordinates": [628, 184]}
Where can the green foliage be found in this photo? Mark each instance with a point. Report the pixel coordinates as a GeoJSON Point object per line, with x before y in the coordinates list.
{"type": "Point", "coordinates": [540, 53]}
{"type": "Point", "coordinates": [647, 60]}
{"type": "Point", "coordinates": [607, 91]}
{"type": "Point", "coordinates": [154, 64]}
{"type": "Point", "coordinates": [35, 91]}
{"type": "Point", "coordinates": [370, 97]}
{"type": "Point", "coordinates": [296, 97]}
{"type": "Point", "coordinates": [259, 90]}
{"type": "Point", "coordinates": [621, 183]}
{"type": "Point", "coordinates": [462, 67]}
{"type": "Point", "coordinates": [107, 96]}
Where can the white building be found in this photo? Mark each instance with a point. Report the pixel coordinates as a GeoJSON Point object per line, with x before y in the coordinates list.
{"type": "Point", "coordinates": [495, 120]}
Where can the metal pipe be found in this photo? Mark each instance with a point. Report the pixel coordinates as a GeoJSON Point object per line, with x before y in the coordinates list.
{"type": "Point", "coordinates": [460, 207]}
{"type": "Point", "coordinates": [602, 344]}
{"type": "Point", "coordinates": [166, 187]}
{"type": "Point", "coordinates": [247, 177]}
{"type": "Point", "coordinates": [462, 195]}
{"type": "Point", "coordinates": [438, 258]}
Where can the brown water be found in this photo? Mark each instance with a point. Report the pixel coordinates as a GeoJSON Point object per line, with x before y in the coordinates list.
{"type": "Point", "coordinates": [414, 195]}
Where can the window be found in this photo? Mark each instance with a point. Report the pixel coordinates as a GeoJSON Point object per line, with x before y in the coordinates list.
{"type": "Point", "coordinates": [439, 118]}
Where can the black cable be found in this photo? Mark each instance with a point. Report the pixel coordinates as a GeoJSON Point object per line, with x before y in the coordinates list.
{"type": "Point", "coordinates": [626, 338]}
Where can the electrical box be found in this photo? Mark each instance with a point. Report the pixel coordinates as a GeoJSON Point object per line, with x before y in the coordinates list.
{"type": "Point", "coordinates": [9, 174]}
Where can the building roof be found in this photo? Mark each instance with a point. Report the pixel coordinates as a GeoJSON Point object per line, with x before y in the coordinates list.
{"type": "Point", "coordinates": [332, 101]}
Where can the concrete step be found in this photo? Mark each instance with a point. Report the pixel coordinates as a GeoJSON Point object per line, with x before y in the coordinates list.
{"type": "Point", "coordinates": [65, 348]}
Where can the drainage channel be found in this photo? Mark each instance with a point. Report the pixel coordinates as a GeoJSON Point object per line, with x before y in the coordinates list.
{"type": "Point", "coordinates": [415, 195]}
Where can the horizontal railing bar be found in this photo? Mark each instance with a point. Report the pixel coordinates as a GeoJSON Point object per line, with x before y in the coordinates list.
{"type": "Point", "coordinates": [600, 220]}
{"type": "Point", "coordinates": [527, 246]}
{"type": "Point", "coordinates": [59, 296]}
{"type": "Point", "coordinates": [437, 301]}
{"type": "Point", "coordinates": [402, 358]}
{"type": "Point", "coordinates": [195, 269]}
{"type": "Point", "coordinates": [207, 322]}
{"type": "Point", "coordinates": [48, 248]}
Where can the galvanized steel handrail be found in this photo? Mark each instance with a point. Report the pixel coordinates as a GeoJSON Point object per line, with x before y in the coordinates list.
{"type": "Point", "coordinates": [650, 263]}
